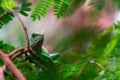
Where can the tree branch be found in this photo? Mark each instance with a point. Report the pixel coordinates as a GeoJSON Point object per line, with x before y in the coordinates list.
{"type": "Point", "coordinates": [15, 52]}
{"type": "Point", "coordinates": [12, 56]}
{"type": "Point", "coordinates": [12, 67]}
{"type": "Point", "coordinates": [2, 69]}
{"type": "Point", "coordinates": [24, 28]}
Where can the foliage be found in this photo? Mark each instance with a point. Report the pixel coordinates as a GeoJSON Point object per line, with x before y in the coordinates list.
{"type": "Point", "coordinates": [63, 8]}
{"type": "Point", "coordinates": [116, 3]}
{"type": "Point", "coordinates": [60, 7]}
{"type": "Point", "coordinates": [113, 68]}
{"type": "Point", "coordinates": [98, 5]}
{"type": "Point", "coordinates": [8, 4]}
{"type": "Point", "coordinates": [41, 9]}
{"type": "Point", "coordinates": [5, 17]}
{"type": "Point", "coordinates": [6, 47]}
{"type": "Point", "coordinates": [66, 7]}
{"type": "Point", "coordinates": [25, 7]}
{"type": "Point", "coordinates": [100, 60]}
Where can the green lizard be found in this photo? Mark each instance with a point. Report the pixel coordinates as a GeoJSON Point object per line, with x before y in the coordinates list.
{"type": "Point", "coordinates": [44, 59]}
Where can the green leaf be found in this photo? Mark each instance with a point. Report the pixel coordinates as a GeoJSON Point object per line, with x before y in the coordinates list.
{"type": "Point", "coordinates": [41, 9]}
{"type": "Point", "coordinates": [66, 7]}
{"type": "Point", "coordinates": [6, 47]}
{"type": "Point", "coordinates": [5, 17]}
{"type": "Point", "coordinates": [25, 7]}
{"type": "Point", "coordinates": [27, 4]}
{"type": "Point", "coordinates": [24, 13]}
{"type": "Point", "coordinates": [8, 4]}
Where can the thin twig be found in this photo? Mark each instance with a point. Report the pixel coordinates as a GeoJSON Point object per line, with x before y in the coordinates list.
{"type": "Point", "coordinates": [15, 51]}
{"type": "Point", "coordinates": [12, 67]}
{"type": "Point", "coordinates": [98, 64]}
{"type": "Point", "coordinates": [25, 31]}
{"type": "Point", "coordinates": [17, 54]}
{"type": "Point", "coordinates": [24, 28]}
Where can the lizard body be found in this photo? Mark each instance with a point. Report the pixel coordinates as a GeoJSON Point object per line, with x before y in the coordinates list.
{"type": "Point", "coordinates": [44, 58]}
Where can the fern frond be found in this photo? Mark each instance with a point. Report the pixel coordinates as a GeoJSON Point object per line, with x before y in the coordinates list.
{"type": "Point", "coordinates": [41, 9]}
{"type": "Point", "coordinates": [66, 7]}
{"type": "Point", "coordinates": [5, 17]}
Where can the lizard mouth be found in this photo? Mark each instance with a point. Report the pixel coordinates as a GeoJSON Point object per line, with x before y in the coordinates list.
{"type": "Point", "coordinates": [37, 40]}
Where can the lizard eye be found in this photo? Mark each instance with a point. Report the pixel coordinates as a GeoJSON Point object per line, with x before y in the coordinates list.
{"type": "Point", "coordinates": [33, 35]}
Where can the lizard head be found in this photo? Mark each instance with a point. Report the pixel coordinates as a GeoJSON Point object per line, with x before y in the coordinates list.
{"type": "Point", "coordinates": [36, 41]}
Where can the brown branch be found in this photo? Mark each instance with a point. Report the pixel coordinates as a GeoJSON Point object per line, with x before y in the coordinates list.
{"type": "Point", "coordinates": [2, 69]}
{"type": "Point", "coordinates": [16, 55]}
{"type": "Point", "coordinates": [12, 56]}
{"type": "Point", "coordinates": [23, 26]}
{"type": "Point", "coordinates": [12, 67]}
{"type": "Point", "coordinates": [15, 52]}
{"type": "Point", "coordinates": [25, 30]}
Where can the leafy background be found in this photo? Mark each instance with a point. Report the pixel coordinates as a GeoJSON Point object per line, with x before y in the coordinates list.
{"type": "Point", "coordinates": [87, 55]}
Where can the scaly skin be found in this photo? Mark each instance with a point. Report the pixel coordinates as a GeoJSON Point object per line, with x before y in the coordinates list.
{"type": "Point", "coordinates": [45, 59]}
